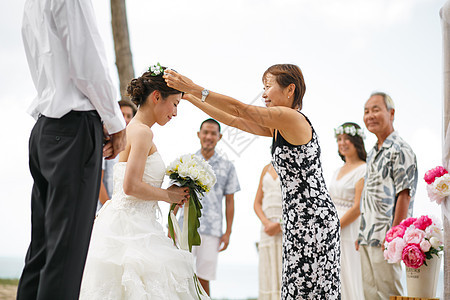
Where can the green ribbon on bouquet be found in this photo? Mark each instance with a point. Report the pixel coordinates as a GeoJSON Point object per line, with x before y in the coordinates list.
{"type": "Point", "coordinates": [193, 215]}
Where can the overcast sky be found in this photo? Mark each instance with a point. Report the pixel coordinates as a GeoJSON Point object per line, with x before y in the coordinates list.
{"type": "Point", "coordinates": [347, 49]}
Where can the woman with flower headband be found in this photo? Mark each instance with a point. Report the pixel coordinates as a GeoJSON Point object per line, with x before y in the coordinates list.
{"type": "Point", "coordinates": [345, 189]}
{"type": "Point", "coordinates": [310, 220]}
{"type": "Point", "coordinates": [130, 256]}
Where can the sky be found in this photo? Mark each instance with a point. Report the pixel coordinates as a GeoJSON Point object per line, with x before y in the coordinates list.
{"type": "Point", "coordinates": [346, 49]}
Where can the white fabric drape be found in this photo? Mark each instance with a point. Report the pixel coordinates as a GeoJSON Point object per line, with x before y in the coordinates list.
{"type": "Point", "coordinates": [445, 21]}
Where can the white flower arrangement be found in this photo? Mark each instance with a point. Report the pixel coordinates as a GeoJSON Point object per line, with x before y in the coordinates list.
{"type": "Point", "coordinates": [156, 70]}
{"type": "Point", "coordinates": [350, 130]}
{"type": "Point", "coordinates": [190, 166]}
{"type": "Point", "coordinates": [194, 172]}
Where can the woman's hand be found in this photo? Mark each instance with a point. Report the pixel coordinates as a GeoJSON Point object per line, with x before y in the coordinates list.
{"type": "Point", "coordinates": [188, 97]}
{"type": "Point", "coordinates": [176, 194]}
{"type": "Point", "coordinates": [178, 81]}
{"type": "Point", "coordinates": [272, 228]}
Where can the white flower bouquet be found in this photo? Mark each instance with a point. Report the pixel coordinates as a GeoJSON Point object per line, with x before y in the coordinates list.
{"type": "Point", "coordinates": [194, 172]}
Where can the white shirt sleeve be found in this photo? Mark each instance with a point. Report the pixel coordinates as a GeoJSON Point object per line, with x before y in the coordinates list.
{"type": "Point", "coordinates": [76, 24]}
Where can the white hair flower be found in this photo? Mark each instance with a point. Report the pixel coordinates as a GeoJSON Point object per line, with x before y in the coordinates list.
{"type": "Point", "coordinates": [350, 130]}
{"type": "Point", "coordinates": [156, 70]}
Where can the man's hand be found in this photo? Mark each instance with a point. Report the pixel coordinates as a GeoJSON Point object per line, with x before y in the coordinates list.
{"type": "Point", "coordinates": [224, 241]}
{"type": "Point", "coordinates": [115, 144]}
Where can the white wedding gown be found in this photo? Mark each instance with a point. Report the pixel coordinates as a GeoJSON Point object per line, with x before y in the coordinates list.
{"type": "Point", "coordinates": [342, 191]}
{"type": "Point", "coordinates": [130, 256]}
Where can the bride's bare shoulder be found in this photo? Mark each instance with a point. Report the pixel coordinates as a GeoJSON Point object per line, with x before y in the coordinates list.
{"type": "Point", "coordinates": [139, 137]}
{"type": "Point", "coordinates": [139, 131]}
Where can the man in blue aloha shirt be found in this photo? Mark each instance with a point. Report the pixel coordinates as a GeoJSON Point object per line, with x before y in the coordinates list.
{"type": "Point", "coordinates": [387, 199]}
{"type": "Point", "coordinates": [212, 236]}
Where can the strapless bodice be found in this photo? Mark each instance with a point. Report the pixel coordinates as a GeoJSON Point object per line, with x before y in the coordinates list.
{"type": "Point", "coordinates": [153, 175]}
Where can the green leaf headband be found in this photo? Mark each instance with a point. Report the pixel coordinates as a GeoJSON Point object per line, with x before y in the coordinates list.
{"type": "Point", "coordinates": [156, 70]}
{"type": "Point", "coordinates": [350, 130]}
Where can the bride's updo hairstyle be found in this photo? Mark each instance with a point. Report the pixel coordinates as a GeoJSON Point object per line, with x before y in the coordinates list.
{"type": "Point", "coordinates": [286, 74]}
{"type": "Point", "coordinates": [140, 88]}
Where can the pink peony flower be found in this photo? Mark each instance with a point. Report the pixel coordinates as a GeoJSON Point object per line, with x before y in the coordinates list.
{"type": "Point", "coordinates": [394, 250]}
{"type": "Point", "coordinates": [413, 235]}
{"type": "Point", "coordinates": [408, 222]}
{"type": "Point", "coordinates": [425, 246]}
{"type": "Point", "coordinates": [396, 231]}
{"type": "Point", "coordinates": [431, 175]}
{"type": "Point", "coordinates": [423, 222]}
{"type": "Point", "coordinates": [412, 256]}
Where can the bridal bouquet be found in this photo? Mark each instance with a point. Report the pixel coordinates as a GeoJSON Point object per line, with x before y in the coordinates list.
{"type": "Point", "coordinates": [194, 172]}
{"type": "Point", "coordinates": [438, 184]}
{"type": "Point", "coordinates": [413, 241]}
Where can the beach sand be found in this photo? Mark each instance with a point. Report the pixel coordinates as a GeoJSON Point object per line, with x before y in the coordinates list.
{"type": "Point", "coordinates": [8, 291]}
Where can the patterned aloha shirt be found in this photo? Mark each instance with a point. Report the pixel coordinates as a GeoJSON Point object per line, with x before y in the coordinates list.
{"type": "Point", "coordinates": [227, 184]}
{"type": "Point", "coordinates": [390, 170]}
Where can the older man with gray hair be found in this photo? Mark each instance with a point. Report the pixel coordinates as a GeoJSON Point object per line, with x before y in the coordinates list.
{"type": "Point", "coordinates": [387, 198]}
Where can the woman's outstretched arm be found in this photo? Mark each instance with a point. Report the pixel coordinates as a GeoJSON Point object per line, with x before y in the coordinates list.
{"type": "Point", "coordinates": [285, 119]}
{"type": "Point", "coordinates": [228, 119]}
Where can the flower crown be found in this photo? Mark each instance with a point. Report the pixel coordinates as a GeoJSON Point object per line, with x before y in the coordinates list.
{"type": "Point", "coordinates": [156, 70]}
{"type": "Point", "coordinates": [350, 130]}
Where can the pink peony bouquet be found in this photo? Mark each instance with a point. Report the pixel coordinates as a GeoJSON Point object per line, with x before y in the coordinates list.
{"type": "Point", "coordinates": [413, 241]}
{"type": "Point", "coordinates": [438, 184]}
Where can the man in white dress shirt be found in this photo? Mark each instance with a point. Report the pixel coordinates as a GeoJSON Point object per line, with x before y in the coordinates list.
{"type": "Point", "coordinates": [75, 94]}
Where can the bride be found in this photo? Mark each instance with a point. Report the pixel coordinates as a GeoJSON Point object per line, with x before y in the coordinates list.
{"type": "Point", "coordinates": [130, 256]}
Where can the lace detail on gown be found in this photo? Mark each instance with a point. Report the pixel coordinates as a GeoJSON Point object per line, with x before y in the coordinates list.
{"type": "Point", "coordinates": [130, 256]}
{"type": "Point", "coordinates": [153, 176]}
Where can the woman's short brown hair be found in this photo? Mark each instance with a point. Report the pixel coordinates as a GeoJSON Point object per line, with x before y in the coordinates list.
{"type": "Point", "coordinates": [286, 74]}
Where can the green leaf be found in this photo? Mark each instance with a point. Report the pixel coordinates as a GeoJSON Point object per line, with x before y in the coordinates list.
{"type": "Point", "coordinates": [194, 223]}
{"type": "Point", "coordinates": [171, 231]}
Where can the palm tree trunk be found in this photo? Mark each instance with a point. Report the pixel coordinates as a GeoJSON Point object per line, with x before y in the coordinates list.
{"type": "Point", "coordinates": [124, 60]}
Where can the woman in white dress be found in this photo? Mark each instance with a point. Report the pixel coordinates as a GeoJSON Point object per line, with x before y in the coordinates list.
{"type": "Point", "coordinates": [269, 210]}
{"type": "Point", "coordinates": [345, 190]}
{"type": "Point", "coordinates": [130, 256]}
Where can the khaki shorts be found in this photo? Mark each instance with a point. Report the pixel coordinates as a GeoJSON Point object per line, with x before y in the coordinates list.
{"type": "Point", "coordinates": [206, 256]}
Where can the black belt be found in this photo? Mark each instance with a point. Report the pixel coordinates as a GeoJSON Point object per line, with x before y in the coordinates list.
{"type": "Point", "coordinates": [92, 113]}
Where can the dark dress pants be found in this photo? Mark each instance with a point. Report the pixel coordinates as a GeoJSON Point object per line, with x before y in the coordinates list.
{"type": "Point", "coordinates": [65, 162]}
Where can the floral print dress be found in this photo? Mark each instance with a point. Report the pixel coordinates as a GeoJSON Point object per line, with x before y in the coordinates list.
{"type": "Point", "coordinates": [311, 251]}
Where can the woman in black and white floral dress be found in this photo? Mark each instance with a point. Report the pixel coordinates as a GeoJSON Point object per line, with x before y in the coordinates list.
{"type": "Point", "coordinates": [311, 237]}
{"type": "Point", "coordinates": [310, 222]}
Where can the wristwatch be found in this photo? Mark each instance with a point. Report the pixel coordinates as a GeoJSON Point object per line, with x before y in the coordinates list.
{"type": "Point", "coordinates": [205, 94]}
